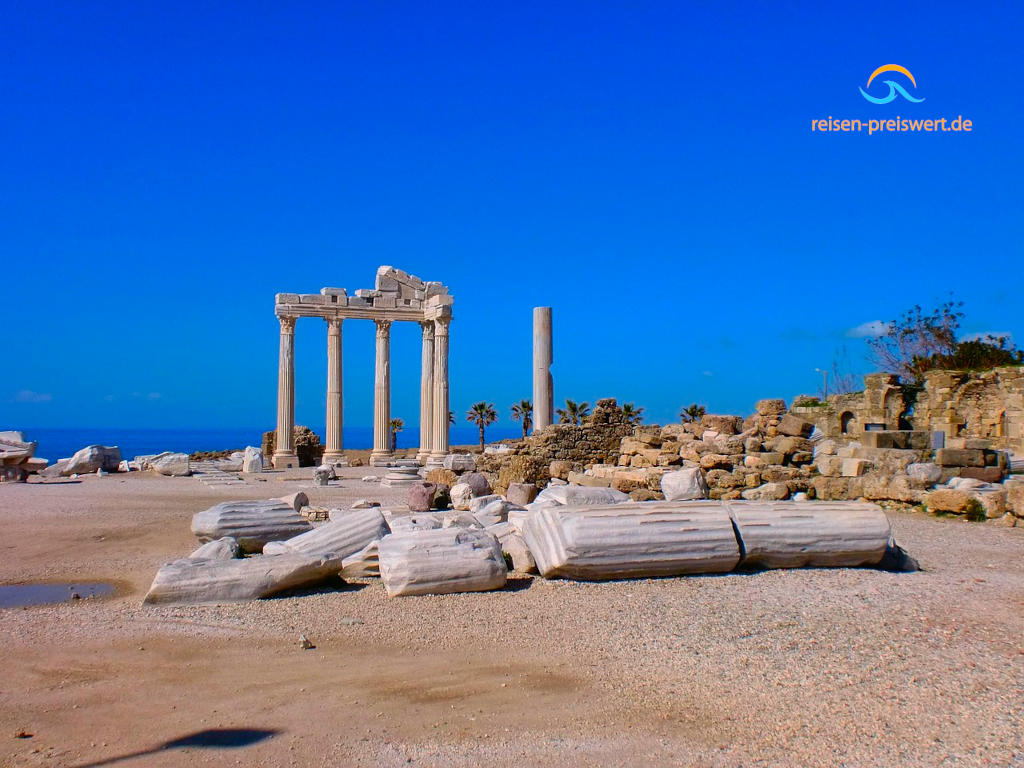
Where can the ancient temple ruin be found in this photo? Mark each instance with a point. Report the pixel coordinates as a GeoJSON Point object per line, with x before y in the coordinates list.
{"type": "Point", "coordinates": [397, 296]}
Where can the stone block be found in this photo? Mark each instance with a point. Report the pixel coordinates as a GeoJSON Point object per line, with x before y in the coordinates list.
{"type": "Point", "coordinates": [960, 457]}
{"type": "Point", "coordinates": [985, 474]}
{"type": "Point", "coordinates": [770, 457]}
{"type": "Point", "coordinates": [767, 492]}
{"type": "Point", "coordinates": [770, 407]}
{"type": "Point", "coordinates": [947, 500]}
{"type": "Point", "coordinates": [684, 484]}
{"type": "Point", "coordinates": [560, 469]}
{"type": "Point", "coordinates": [460, 462]}
{"type": "Point", "coordinates": [440, 476]}
{"type": "Point", "coordinates": [722, 424]}
{"type": "Point", "coordinates": [794, 426]}
{"type": "Point", "coordinates": [853, 467]}
{"type": "Point", "coordinates": [521, 494]}
{"type": "Point", "coordinates": [441, 561]}
{"type": "Point", "coordinates": [830, 466]}
{"type": "Point", "coordinates": [924, 472]}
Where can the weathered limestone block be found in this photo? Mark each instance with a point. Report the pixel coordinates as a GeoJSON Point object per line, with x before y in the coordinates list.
{"type": "Point", "coordinates": [1015, 498]}
{"type": "Point", "coordinates": [767, 492]}
{"type": "Point", "coordinates": [896, 488]}
{"type": "Point", "coordinates": [947, 500]}
{"type": "Point", "coordinates": [479, 502]}
{"type": "Point", "coordinates": [560, 469]}
{"type": "Point", "coordinates": [454, 518]}
{"type": "Point", "coordinates": [829, 466]}
{"type": "Point", "coordinates": [441, 476]}
{"type": "Point", "coordinates": [441, 562]}
{"type": "Point", "coordinates": [343, 536]}
{"type": "Point", "coordinates": [461, 495]}
{"type": "Point", "coordinates": [225, 548]}
{"type": "Point", "coordinates": [796, 534]}
{"type": "Point", "coordinates": [578, 495]}
{"type": "Point", "coordinates": [493, 512]}
{"type": "Point", "coordinates": [632, 541]}
{"type": "Point", "coordinates": [416, 522]}
{"type": "Point", "coordinates": [253, 460]}
{"type": "Point", "coordinates": [953, 457]}
{"type": "Point", "coordinates": [171, 464]}
{"type": "Point", "coordinates": [854, 467]}
{"type": "Point", "coordinates": [684, 484]}
{"type": "Point", "coordinates": [91, 458]}
{"type": "Point", "coordinates": [252, 523]}
{"type": "Point", "coordinates": [460, 462]}
{"type": "Point", "coordinates": [985, 474]}
{"type": "Point", "coordinates": [924, 472]}
{"type": "Point", "coordinates": [223, 581]}
{"type": "Point", "coordinates": [716, 461]}
{"type": "Point", "coordinates": [793, 425]}
{"type": "Point", "coordinates": [521, 494]}
{"type": "Point", "coordinates": [722, 424]}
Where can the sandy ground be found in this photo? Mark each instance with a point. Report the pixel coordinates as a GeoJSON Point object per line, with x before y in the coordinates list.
{"type": "Point", "coordinates": [845, 667]}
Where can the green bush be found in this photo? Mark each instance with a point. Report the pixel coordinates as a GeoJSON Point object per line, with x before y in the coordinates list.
{"type": "Point", "coordinates": [974, 512]}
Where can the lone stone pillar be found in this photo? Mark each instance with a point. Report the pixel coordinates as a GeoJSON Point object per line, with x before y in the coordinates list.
{"type": "Point", "coordinates": [426, 393]}
{"type": "Point", "coordinates": [284, 454]}
{"type": "Point", "coordinates": [334, 397]}
{"type": "Point", "coordinates": [381, 454]}
{"type": "Point", "coordinates": [439, 447]}
{"type": "Point", "coordinates": [543, 391]}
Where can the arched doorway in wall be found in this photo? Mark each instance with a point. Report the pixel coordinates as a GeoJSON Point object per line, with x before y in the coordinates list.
{"type": "Point", "coordinates": [847, 422]}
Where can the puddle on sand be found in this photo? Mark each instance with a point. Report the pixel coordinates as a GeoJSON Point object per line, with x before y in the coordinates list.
{"type": "Point", "coordinates": [21, 595]}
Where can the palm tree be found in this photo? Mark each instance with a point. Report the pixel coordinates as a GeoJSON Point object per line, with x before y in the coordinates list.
{"type": "Point", "coordinates": [632, 414]}
{"type": "Point", "coordinates": [692, 412]}
{"type": "Point", "coordinates": [397, 425]}
{"type": "Point", "coordinates": [482, 414]}
{"type": "Point", "coordinates": [451, 417]}
{"type": "Point", "coordinates": [523, 411]}
{"type": "Point", "coordinates": [573, 413]}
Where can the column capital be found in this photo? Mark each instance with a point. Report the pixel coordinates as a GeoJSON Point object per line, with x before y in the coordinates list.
{"type": "Point", "coordinates": [334, 323]}
{"type": "Point", "coordinates": [287, 323]}
{"type": "Point", "coordinates": [441, 326]}
{"type": "Point", "coordinates": [428, 329]}
{"type": "Point", "coordinates": [383, 327]}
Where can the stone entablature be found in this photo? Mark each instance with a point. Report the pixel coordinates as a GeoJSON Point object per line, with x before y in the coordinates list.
{"type": "Point", "coordinates": [397, 297]}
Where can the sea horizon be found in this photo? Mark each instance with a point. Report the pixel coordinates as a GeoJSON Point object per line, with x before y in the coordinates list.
{"type": "Point", "coordinates": [61, 442]}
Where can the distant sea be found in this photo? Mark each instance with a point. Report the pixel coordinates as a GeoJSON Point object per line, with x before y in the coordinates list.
{"type": "Point", "coordinates": [59, 443]}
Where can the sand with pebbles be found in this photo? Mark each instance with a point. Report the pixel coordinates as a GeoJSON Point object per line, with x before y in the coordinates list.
{"type": "Point", "coordinates": [851, 667]}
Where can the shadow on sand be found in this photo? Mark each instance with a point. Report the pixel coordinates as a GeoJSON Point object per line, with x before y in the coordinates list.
{"type": "Point", "coordinates": [214, 738]}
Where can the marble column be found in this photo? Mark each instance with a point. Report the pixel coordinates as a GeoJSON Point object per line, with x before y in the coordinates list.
{"type": "Point", "coordinates": [334, 397]}
{"type": "Point", "coordinates": [284, 453]}
{"type": "Point", "coordinates": [426, 393]}
{"type": "Point", "coordinates": [439, 446]}
{"type": "Point", "coordinates": [543, 390]}
{"type": "Point", "coordinates": [381, 454]}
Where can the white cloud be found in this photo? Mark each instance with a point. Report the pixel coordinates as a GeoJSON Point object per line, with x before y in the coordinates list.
{"type": "Point", "coordinates": [153, 396]}
{"type": "Point", "coordinates": [28, 396]}
{"type": "Point", "coordinates": [987, 336]}
{"type": "Point", "coordinates": [707, 373]}
{"type": "Point", "coordinates": [869, 329]}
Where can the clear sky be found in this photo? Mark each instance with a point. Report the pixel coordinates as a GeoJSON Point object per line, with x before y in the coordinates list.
{"type": "Point", "coordinates": [648, 170]}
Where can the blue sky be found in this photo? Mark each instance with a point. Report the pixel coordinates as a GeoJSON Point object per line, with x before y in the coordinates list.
{"type": "Point", "coordinates": [646, 169]}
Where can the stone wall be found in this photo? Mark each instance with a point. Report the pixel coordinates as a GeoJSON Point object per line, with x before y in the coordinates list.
{"type": "Point", "coordinates": [571, 447]}
{"type": "Point", "coordinates": [989, 404]}
{"type": "Point", "coordinates": [962, 404]}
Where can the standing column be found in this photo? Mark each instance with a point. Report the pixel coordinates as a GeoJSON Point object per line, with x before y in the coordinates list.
{"type": "Point", "coordinates": [543, 397]}
{"type": "Point", "coordinates": [334, 399]}
{"type": "Point", "coordinates": [426, 393]}
{"type": "Point", "coordinates": [284, 454]}
{"type": "Point", "coordinates": [439, 447]}
{"type": "Point", "coordinates": [382, 397]}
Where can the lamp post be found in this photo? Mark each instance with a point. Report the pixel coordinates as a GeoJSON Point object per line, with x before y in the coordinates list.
{"type": "Point", "coordinates": [824, 374]}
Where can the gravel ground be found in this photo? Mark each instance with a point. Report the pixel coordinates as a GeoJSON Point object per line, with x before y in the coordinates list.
{"type": "Point", "coordinates": [842, 667]}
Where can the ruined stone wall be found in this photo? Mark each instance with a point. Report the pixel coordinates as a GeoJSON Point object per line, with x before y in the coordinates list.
{"type": "Point", "coordinates": [596, 441]}
{"type": "Point", "coordinates": [882, 401]}
{"type": "Point", "coordinates": [987, 404]}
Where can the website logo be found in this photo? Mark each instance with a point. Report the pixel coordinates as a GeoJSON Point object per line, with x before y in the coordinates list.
{"type": "Point", "coordinates": [894, 87]}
